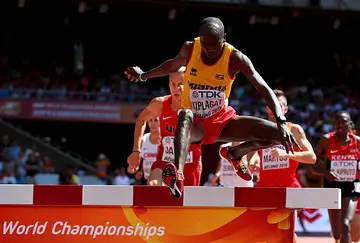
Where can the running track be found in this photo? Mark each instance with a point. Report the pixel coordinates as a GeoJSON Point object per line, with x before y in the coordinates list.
{"type": "Point", "coordinates": [314, 240]}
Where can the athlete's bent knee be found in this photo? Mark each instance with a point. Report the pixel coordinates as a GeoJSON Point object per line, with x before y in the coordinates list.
{"type": "Point", "coordinates": [186, 115]}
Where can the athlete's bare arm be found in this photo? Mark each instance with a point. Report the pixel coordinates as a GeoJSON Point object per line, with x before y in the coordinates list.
{"type": "Point", "coordinates": [167, 67]}
{"type": "Point", "coordinates": [307, 155]}
{"type": "Point", "coordinates": [320, 167]}
{"type": "Point", "coordinates": [241, 63]}
{"type": "Point", "coordinates": [152, 110]}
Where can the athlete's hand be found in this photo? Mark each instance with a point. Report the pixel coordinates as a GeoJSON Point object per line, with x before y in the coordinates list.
{"type": "Point", "coordinates": [213, 180]}
{"type": "Point", "coordinates": [278, 153]}
{"type": "Point", "coordinates": [286, 137]}
{"type": "Point", "coordinates": [331, 176]}
{"type": "Point", "coordinates": [134, 161]}
{"type": "Point", "coordinates": [133, 73]}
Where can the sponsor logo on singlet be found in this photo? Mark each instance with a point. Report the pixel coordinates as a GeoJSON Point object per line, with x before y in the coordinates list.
{"type": "Point", "coordinates": [168, 153]}
{"type": "Point", "coordinates": [206, 103]}
{"type": "Point", "coordinates": [206, 87]}
{"type": "Point", "coordinates": [345, 169]}
{"type": "Point", "coordinates": [270, 163]}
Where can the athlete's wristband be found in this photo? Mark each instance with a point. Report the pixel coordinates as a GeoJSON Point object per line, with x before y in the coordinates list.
{"type": "Point", "coordinates": [140, 77]}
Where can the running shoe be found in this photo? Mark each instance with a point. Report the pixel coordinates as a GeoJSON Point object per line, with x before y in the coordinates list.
{"type": "Point", "coordinates": [239, 166]}
{"type": "Point", "coordinates": [173, 179]}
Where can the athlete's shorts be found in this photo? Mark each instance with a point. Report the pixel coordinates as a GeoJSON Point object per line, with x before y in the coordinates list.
{"type": "Point", "coordinates": [358, 207]}
{"type": "Point", "coordinates": [215, 124]}
{"type": "Point", "coordinates": [192, 172]}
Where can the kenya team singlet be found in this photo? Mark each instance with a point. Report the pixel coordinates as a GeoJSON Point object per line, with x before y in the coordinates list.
{"type": "Point", "coordinates": [168, 123]}
{"type": "Point", "coordinates": [148, 153]}
{"type": "Point", "coordinates": [342, 159]}
{"type": "Point", "coordinates": [277, 172]}
{"type": "Point", "coordinates": [207, 87]}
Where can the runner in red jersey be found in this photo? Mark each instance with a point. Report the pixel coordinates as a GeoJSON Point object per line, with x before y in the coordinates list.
{"type": "Point", "coordinates": [355, 223]}
{"type": "Point", "coordinates": [166, 108]}
{"type": "Point", "coordinates": [278, 168]}
{"type": "Point", "coordinates": [168, 122]}
{"type": "Point", "coordinates": [338, 155]}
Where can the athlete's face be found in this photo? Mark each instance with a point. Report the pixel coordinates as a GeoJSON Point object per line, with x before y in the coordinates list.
{"type": "Point", "coordinates": [154, 124]}
{"type": "Point", "coordinates": [211, 44]}
{"type": "Point", "coordinates": [284, 108]}
{"type": "Point", "coordinates": [176, 85]}
{"type": "Point", "coordinates": [342, 124]}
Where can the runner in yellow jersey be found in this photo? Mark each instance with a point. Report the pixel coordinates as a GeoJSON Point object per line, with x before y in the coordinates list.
{"type": "Point", "coordinates": [211, 67]}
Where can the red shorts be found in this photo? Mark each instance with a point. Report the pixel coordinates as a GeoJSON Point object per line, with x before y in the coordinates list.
{"type": "Point", "coordinates": [192, 172]}
{"type": "Point", "coordinates": [214, 124]}
{"type": "Point", "coordinates": [358, 207]}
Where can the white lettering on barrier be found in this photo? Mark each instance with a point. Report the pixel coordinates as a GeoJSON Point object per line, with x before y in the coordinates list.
{"type": "Point", "coordinates": [63, 228]}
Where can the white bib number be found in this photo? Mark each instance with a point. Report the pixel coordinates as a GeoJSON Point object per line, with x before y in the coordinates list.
{"type": "Point", "coordinates": [270, 163]}
{"type": "Point", "coordinates": [345, 169]}
{"type": "Point", "coordinates": [206, 103]}
{"type": "Point", "coordinates": [168, 154]}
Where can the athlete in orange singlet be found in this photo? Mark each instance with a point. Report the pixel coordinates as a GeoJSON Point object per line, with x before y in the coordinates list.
{"type": "Point", "coordinates": [212, 65]}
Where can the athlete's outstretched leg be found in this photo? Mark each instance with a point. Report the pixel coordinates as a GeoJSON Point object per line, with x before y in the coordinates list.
{"type": "Point", "coordinates": [171, 177]}
{"type": "Point", "coordinates": [237, 152]}
{"type": "Point", "coordinates": [182, 137]}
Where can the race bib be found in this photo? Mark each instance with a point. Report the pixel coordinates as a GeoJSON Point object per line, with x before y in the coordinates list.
{"type": "Point", "coordinates": [270, 163]}
{"type": "Point", "coordinates": [206, 103]}
{"type": "Point", "coordinates": [168, 154]}
{"type": "Point", "coordinates": [345, 169]}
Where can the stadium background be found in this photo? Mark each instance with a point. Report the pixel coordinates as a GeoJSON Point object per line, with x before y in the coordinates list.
{"type": "Point", "coordinates": [71, 51]}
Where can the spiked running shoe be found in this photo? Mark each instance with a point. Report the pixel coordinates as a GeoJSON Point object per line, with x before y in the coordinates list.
{"type": "Point", "coordinates": [239, 166]}
{"type": "Point", "coordinates": [173, 179]}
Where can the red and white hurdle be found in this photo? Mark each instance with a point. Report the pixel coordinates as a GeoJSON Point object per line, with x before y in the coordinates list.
{"type": "Point", "coordinates": [39, 213]}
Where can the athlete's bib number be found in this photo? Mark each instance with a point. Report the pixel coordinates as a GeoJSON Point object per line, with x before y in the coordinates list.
{"type": "Point", "coordinates": [168, 154]}
{"type": "Point", "coordinates": [206, 103]}
{"type": "Point", "coordinates": [270, 163]}
{"type": "Point", "coordinates": [346, 170]}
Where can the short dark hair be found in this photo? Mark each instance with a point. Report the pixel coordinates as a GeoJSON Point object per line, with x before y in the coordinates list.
{"type": "Point", "coordinates": [214, 25]}
{"type": "Point", "coordinates": [280, 93]}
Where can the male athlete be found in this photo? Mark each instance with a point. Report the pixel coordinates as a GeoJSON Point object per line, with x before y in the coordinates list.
{"type": "Point", "coordinates": [212, 65]}
{"type": "Point", "coordinates": [338, 155]}
{"type": "Point", "coordinates": [149, 147]}
{"type": "Point", "coordinates": [166, 108]}
{"type": "Point", "coordinates": [278, 168]}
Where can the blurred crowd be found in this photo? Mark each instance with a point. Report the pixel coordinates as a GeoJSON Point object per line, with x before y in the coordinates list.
{"type": "Point", "coordinates": [21, 165]}
{"type": "Point", "coordinates": [311, 104]}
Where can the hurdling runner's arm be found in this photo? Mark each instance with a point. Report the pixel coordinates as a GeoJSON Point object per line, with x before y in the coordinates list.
{"type": "Point", "coordinates": [171, 65]}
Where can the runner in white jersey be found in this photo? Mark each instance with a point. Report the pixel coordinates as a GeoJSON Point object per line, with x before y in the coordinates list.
{"type": "Point", "coordinates": [226, 174]}
{"type": "Point", "coordinates": [149, 147]}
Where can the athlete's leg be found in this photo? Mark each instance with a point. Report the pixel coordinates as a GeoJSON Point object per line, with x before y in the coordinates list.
{"type": "Point", "coordinates": [355, 228]}
{"type": "Point", "coordinates": [186, 133]}
{"type": "Point", "coordinates": [258, 134]}
{"type": "Point", "coordinates": [155, 177]}
{"type": "Point", "coordinates": [348, 208]}
{"type": "Point", "coordinates": [335, 223]}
